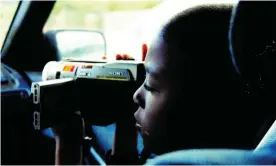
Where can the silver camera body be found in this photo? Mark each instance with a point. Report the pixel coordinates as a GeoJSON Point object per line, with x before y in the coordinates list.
{"type": "Point", "coordinates": [102, 92]}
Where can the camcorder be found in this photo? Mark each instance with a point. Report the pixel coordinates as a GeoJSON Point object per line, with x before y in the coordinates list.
{"type": "Point", "coordinates": [102, 92]}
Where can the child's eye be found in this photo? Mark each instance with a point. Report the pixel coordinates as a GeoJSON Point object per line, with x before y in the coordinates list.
{"type": "Point", "coordinates": [149, 88]}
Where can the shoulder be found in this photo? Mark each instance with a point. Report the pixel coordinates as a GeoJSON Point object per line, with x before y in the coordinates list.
{"type": "Point", "coordinates": [207, 157]}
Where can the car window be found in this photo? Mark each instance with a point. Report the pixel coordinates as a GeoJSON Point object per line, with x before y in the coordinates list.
{"type": "Point", "coordinates": [114, 18]}
{"type": "Point", "coordinates": [7, 12]}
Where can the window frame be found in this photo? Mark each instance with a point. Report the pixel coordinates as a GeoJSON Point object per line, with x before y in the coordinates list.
{"type": "Point", "coordinates": [9, 28]}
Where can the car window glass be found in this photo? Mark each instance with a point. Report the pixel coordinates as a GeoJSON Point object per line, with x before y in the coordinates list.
{"type": "Point", "coordinates": [114, 18]}
{"type": "Point", "coordinates": [7, 12]}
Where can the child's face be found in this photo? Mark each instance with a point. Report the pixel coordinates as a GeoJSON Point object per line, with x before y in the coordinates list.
{"type": "Point", "coordinates": [155, 96]}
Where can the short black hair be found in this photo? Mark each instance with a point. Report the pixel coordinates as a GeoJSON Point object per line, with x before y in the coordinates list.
{"type": "Point", "coordinates": [198, 39]}
{"type": "Point", "coordinates": [198, 48]}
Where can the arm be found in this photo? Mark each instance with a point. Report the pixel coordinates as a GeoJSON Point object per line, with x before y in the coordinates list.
{"type": "Point", "coordinates": [124, 150]}
{"type": "Point", "coordinates": [68, 153]}
{"type": "Point", "coordinates": [125, 139]}
{"type": "Point", "coordinates": [69, 139]}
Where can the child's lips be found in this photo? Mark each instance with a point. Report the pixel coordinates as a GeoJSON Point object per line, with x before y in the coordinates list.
{"type": "Point", "coordinates": [141, 130]}
{"type": "Point", "coordinates": [138, 127]}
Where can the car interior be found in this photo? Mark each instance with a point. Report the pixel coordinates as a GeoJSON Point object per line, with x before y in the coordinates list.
{"type": "Point", "coordinates": [248, 28]}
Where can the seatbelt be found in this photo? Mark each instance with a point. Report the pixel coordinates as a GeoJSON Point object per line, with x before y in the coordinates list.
{"type": "Point", "coordinates": [269, 140]}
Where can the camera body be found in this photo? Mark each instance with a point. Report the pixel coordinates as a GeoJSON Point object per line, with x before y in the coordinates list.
{"type": "Point", "coordinates": [102, 92]}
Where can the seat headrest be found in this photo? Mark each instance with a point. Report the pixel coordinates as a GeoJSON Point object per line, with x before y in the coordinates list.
{"type": "Point", "coordinates": [252, 38]}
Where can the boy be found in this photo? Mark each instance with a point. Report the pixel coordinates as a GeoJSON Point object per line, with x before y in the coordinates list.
{"type": "Point", "coordinates": [184, 101]}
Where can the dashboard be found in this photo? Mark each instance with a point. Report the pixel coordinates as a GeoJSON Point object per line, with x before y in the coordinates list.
{"type": "Point", "coordinates": [11, 79]}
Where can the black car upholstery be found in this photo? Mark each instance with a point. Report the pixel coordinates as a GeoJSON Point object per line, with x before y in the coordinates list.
{"type": "Point", "coordinates": [252, 37]}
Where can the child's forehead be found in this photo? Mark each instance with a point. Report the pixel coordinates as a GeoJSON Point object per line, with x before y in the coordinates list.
{"type": "Point", "coordinates": [156, 56]}
{"type": "Point", "coordinates": [159, 58]}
